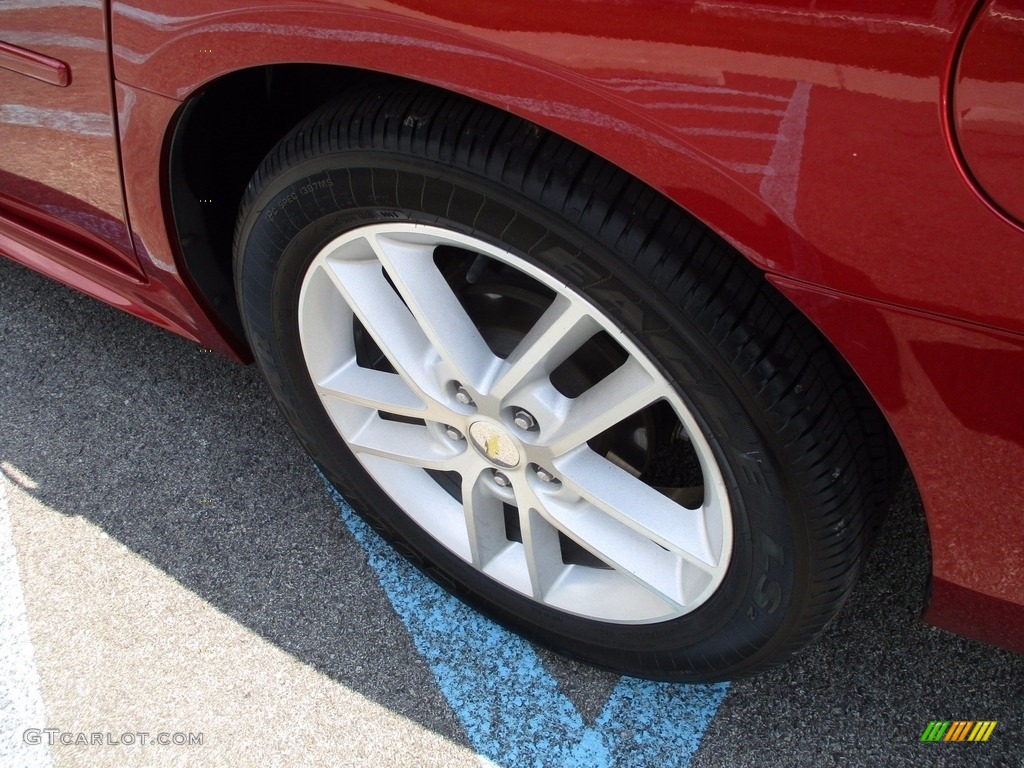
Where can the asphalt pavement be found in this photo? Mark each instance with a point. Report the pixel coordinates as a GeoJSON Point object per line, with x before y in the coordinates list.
{"type": "Point", "coordinates": [180, 587]}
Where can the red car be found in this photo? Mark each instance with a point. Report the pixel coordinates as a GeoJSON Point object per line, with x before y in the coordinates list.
{"type": "Point", "coordinates": [620, 318]}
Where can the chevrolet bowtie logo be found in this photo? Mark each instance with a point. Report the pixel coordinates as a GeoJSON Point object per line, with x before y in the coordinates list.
{"type": "Point", "coordinates": [495, 444]}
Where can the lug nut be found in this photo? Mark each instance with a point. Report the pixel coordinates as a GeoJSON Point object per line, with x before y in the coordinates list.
{"type": "Point", "coordinates": [463, 396]}
{"type": "Point", "coordinates": [543, 475]}
{"type": "Point", "coordinates": [453, 433]}
{"type": "Point", "coordinates": [501, 480]}
{"type": "Point", "coordinates": [524, 420]}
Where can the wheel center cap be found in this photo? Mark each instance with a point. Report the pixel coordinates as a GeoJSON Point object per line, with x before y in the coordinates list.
{"type": "Point", "coordinates": [494, 443]}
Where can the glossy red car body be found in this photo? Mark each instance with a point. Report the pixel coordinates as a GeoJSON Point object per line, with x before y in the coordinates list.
{"type": "Point", "coordinates": [870, 162]}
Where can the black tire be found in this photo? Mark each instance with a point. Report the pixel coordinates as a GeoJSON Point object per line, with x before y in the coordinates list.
{"type": "Point", "coordinates": [781, 415]}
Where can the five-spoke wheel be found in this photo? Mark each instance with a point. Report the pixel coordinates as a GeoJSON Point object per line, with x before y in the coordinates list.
{"type": "Point", "coordinates": [464, 426]}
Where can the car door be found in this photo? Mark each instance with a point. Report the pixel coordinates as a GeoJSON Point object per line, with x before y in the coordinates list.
{"type": "Point", "coordinates": [59, 165]}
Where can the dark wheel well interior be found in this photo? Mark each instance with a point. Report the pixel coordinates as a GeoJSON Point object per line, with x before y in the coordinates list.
{"type": "Point", "coordinates": [220, 136]}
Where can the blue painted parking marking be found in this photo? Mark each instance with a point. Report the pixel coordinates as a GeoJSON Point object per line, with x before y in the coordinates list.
{"type": "Point", "coordinates": [507, 702]}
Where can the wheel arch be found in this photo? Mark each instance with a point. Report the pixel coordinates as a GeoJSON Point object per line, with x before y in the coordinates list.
{"type": "Point", "coordinates": [221, 132]}
{"type": "Point", "coordinates": [218, 139]}
{"type": "Point", "coordinates": [208, 62]}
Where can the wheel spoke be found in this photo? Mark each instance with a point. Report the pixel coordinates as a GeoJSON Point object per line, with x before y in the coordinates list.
{"type": "Point", "coordinates": [626, 390]}
{"type": "Point", "coordinates": [485, 518]}
{"type": "Point", "coordinates": [540, 543]}
{"type": "Point", "coordinates": [356, 274]}
{"type": "Point", "coordinates": [635, 504]}
{"type": "Point", "coordinates": [412, 444]}
{"type": "Point", "coordinates": [380, 391]}
{"type": "Point", "coordinates": [626, 550]}
{"type": "Point", "coordinates": [410, 265]}
{"type": "Point", "coordinates": [563, 328]}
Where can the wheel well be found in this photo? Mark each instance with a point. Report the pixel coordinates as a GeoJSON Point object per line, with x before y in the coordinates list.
{"type": "Point", "coordinates": [220, 136]}
{"type": "Point", "coordinates": [224, 132]}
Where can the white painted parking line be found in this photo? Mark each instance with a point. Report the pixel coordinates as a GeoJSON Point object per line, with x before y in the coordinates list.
{"type": "Point", "coordinates": [21, 703]}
